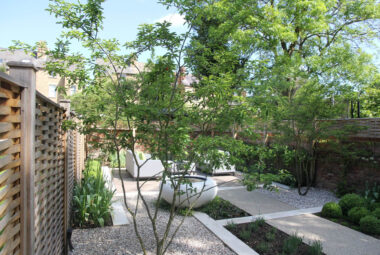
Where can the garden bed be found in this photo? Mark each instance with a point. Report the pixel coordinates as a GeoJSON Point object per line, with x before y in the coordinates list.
{"type": "Point", "coordinates": [268, 240]}
{"type": "Point", "coordinates": [218, 209]}
{"type": "Point", "coordinates": [345, 222]}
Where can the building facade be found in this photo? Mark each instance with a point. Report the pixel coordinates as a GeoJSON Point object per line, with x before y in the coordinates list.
{"type": "Point", "coordinates": [46, 83]}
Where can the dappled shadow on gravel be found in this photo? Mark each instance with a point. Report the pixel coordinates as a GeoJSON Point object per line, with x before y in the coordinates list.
{"type": "Point", "coordinates": [192, 238]}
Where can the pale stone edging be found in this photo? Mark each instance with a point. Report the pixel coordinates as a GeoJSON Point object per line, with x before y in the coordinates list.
{"type": "Point", "coordinates": [234, 243]}
{"type": "Point", "coordinates": [270, 216]}
{"type": "Point", "coordinates": [119, 215]}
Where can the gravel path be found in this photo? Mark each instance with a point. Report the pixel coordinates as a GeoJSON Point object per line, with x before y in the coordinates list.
{"type": "Point", "coordinates": [192, 238]}
{"type": "Point", "coordinates": [314, 198]}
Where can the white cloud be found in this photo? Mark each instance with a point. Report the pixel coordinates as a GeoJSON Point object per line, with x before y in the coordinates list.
{"type": "Point", "coordinates": [176, 19]}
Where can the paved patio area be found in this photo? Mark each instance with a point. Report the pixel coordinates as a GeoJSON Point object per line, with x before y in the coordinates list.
{"type": "Point", "coordinates": [336, 239]}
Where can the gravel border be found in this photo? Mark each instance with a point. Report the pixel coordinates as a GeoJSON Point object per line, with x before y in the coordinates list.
{"type": "Point", "coordinates": [314, 198]}
{"type": "Point", "coordinates": [192, 238]}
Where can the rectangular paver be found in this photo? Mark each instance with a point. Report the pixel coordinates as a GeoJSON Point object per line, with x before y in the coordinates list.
{"type": "Point", "coordinates": [253, 202]}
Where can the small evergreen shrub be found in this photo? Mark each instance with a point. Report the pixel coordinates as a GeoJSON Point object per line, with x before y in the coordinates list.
{"type": "Point", "coordinates": [331, 210]}
{"type": "Point", "coordinates": [370, 225]}
{"type": "Point", "coordinates": [376, 213]}
{"type": "Point", "coordinates": [356, 213]}
{"type": "Point", "coordinates": [349, 201]}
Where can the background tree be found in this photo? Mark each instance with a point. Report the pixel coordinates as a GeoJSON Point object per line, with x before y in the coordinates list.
{"type": "Point", "coordinates": [305, 60]}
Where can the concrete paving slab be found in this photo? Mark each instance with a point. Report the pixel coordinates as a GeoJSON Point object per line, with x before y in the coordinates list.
{"type": "Point", "coordinates": [119, 215]}
{"type": "Point", "coordinates": [270, 216]}
{"type": "Point", "coordinates": [336, 239]}
{"type": "Point", "coordinates": [253, 202]}
{"type": "Point", "coordinates": [130, 183]}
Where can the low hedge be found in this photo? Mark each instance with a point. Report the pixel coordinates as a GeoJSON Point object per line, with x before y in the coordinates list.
{"type": "Point", "coordinates": [350, 201]}
{"type": "Point", "coordinates": [332, 210]}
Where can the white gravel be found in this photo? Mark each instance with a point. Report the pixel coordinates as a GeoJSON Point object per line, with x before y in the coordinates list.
{"type": "Point", "coordinates": [192, 238]}
{"type": "Point", "coordinates": [314, 198]}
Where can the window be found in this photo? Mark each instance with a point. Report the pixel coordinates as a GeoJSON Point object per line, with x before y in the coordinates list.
{"type": "Point", "coordinates": [73, 89]}
{"type": "Point", "coordinates": [52, 90]}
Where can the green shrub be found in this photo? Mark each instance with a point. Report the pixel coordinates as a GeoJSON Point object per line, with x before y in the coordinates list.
{"type": "Point", "coordinates": [291, 244]}
{"type": "Point", "coordinates": [219, 209]}
{"type": "Point", "coordinates": [112, 158]}
{"type": "Point", "coordinates": [162, 204]}
{"type": "Point", "coordinates": [356, 213]}
{"type": "Point", "coordinates": [349, 201]}
{"type": "Point", "coordinates": [376, 213]}
{"type": "Point", "coordinates": [270, 236]}
{"type": "Point", "coordinates": [370, 225]}
{"type": "Point", "coordinates": [373, 206]}
{"type": "Point", "coordinates": [91, 198]}
{"type": "Point", "coordinates": [343, 188]}
{"type": "Point", "coordinates": [315, 248]}
{"type": "Point", "coordinates": [331, 210]}
{"type": "Point", "coordinates": [245, 235]}
{"type": "Point", "coordinates": [263, 247]}
{"type": "Point", "coordinates": [254, 225]}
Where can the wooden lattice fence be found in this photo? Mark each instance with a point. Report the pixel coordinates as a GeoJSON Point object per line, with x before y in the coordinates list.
{"type": "Point", "coordinates": [38, 163]}
{"type": "Point", "coordinates": [10, 176]}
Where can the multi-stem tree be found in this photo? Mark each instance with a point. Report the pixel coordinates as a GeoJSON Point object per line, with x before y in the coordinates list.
{"type": "Point", "coordinates": [152, 109]}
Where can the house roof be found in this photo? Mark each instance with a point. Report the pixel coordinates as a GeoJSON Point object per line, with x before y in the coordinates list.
{"type": "Point", "coordinates": [131, 69]}
{"type": "Point", "coordinates": [20, 55]}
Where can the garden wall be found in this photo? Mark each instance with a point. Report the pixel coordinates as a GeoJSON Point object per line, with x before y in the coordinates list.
{"type": "Point", "coordinates": [357, 163]}
{"type": "Point", "coordinates": [37, 166]}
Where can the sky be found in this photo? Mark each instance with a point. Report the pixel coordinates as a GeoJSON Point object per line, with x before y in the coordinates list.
{"type": "Point", "coordinates": [27, 20]}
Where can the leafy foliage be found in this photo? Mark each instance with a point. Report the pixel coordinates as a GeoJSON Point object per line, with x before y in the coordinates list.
{"type": "Point", "coordinates": [332, 210]}
{"type": "Point", "coordinates": [92, 199]}
{"type": "Point", "coordinates": [370, 224]}
{"type": "Point", "coordinates": [291, 244]}
{"type": "Point", "coordinates": [349, 201]}
{"type": "Point", "coordinates": [222, 209]}
{"type": "Point", "coordinates": [356, 213]}
{"type": "Point", "coordinates": [316, 248]}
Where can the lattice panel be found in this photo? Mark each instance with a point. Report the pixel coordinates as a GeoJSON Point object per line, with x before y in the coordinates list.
{"type": "Point", "coordinates": [70, 168]}
{"type": "Point", "coordinates": [49, 178]}
{"type": "Point", "coordinates": [10, 133]}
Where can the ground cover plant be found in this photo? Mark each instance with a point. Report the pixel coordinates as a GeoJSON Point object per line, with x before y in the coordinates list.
{"type": "Point", "coordinates": [217, 209]}
{"type": "Point", "coordinates": [222, 209]}
{"type": "Point", "coordinates": [358, 214]}
{"type": "Point", "coordinates": [92, 199]}
{"type": "Point", "coordinates": [267, 240]}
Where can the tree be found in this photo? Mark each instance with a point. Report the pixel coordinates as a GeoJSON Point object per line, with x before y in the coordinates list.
{"type": "Point", "coordinates": [152, 109]}
{"type": "Point", "coordinates": [304, 60]}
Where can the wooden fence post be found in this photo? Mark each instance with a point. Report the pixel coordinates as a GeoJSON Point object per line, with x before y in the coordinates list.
{"type": "Point", "coordinates": [25, 72]}
{"type": "Point", "coordinates": [67, 198]}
